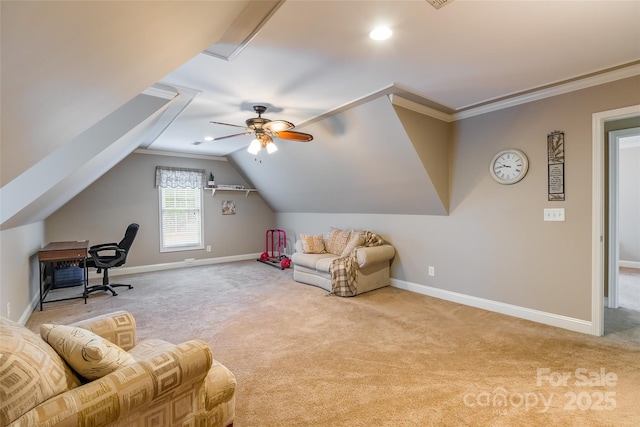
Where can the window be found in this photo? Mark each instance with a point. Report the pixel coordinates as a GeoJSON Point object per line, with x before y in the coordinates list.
{"type": "Point", "coordinates": [180, 195]}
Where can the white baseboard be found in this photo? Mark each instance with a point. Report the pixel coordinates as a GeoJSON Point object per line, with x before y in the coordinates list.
{"type": "Point", "coordinates": [121, 271]}
{"type": "Point", "coordinates": [551, 319]}
{"type": "Point", "coordinates": [629, 264]}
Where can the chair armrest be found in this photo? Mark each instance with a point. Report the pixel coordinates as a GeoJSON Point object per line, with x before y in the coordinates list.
{"type": "Point", "coordinates": [128, 390]}
{"type": "Point", "coordinates": [371, 255]}
{"type": "Point", "coordinates": [107, 261]}
{"type": "Point", "coordinates": [118, 327]}
{"type": "Point", "coordinates": [93, 247]}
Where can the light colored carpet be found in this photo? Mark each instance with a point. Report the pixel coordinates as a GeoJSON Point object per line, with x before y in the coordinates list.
{"type": "Point", "coordinates": [386, 358]}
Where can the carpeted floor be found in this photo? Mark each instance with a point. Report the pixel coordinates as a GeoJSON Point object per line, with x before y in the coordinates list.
{"type": "Point", "coordinates": [386, 358]}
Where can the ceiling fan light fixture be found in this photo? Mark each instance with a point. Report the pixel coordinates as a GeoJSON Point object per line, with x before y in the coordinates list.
{"type": "Point", "coordinates": [271, 147]}
{"type": "Point", "coordinates": [265, 130]}
{"type": "Point", "coordinates": [278, 126]}
{"type": "Point", "coordinates": [254, 147]}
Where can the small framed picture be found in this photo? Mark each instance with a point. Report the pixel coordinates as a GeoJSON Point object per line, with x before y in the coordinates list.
{"type": "Point", "coordinates": [228, 207]}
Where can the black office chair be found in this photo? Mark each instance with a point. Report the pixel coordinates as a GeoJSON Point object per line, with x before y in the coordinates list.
{"type": "Point", "coordinates": [109, 255]}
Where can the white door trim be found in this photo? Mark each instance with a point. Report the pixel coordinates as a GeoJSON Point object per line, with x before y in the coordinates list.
{"type": "Point", "coordinates": [614, 204]}
{"type": "Point", "coordinates": [597, 211]}
{"type": "Point", "coordinates": [614, 155]}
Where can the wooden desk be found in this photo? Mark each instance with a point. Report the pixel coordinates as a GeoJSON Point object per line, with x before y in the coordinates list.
{"type": "Point", "coordinates": [62, 251]}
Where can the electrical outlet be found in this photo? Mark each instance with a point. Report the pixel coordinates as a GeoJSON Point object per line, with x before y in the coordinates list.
{"type": "Point", "coordinates": [208, 248]}
{"type": "Point", "coordinates": [432, 271]}
{"type": "Point", "coordinates": [9, 309]}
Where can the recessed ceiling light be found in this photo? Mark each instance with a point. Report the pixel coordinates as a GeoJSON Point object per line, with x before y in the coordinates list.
{"type": "Point", "coordinates": [380, 33]}
{"type": "Point", "coordinates": [208, 138]}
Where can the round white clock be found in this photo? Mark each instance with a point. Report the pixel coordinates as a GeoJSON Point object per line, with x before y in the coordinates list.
{"type": "Point", "coordinates": [509, 166]}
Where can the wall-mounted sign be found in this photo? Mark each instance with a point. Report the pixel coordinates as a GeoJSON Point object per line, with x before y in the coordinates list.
{"type": "Point", "coordinates": [555, 153]}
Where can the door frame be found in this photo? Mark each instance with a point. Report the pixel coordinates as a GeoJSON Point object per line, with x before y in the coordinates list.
{"type": "Point", "coordinates": [597, 211]}
{"type": "Point", "coordinates": [614, 206]}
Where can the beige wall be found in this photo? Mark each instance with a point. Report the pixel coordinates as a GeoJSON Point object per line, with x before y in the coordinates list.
{"type": "Point", "coordinates": [494, 244]}
{"type": "Point", "coordinates": [127, 194]}
{"type": "Point", "coordinates": [19, 281]}
{"type": "Point", "coordinates": [431, 139]}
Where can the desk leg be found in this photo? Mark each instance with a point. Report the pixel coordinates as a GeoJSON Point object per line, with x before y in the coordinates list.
{"type": "Point", "coordinates": [42, 272]}
{"type": "Point", "coordinates": [85, 294]}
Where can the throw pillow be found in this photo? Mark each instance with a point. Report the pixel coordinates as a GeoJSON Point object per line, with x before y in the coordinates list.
{"type": "Point", "coordinates": [357, 239]}
{"type": "Point", "coordinates": [337, 240]}
{"type": "Point", "coordinates": [312, 244]}
{"type": "Point", "coordinates": [90, 355]}
{"type": "Point", "coordinates": [31, 372]}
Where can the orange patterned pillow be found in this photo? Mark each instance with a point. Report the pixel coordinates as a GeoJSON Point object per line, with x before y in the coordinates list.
{"type": "Point", "coordinates": [337, 241]}
{"type": "Point", "coordinates": [312, 244]}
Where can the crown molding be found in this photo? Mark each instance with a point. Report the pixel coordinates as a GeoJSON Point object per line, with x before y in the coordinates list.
{"type": "Point", "coordinates": [419, 108]}
{"type": "Point", "coordinates": [402, 97]}
{"type": "Point", "coordinates": [547, 92]}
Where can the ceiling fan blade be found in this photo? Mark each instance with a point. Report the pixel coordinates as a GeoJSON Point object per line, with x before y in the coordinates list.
{"type": "Point", "coordinates": [278, 126]}
{"type": "Point", "coordinates": [227, 124]}
{"type": "Point", "coordinates": [231, 136]}
{"type": "Point", "coordinates": [294, 136]}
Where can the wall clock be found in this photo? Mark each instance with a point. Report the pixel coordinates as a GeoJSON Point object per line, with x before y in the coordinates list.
{"type": "Point", "coordinates": [509, 166]}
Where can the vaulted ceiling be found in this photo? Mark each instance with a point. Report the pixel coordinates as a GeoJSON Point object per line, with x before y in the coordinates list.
{"type": "Point", "coordinates": [70, 71]}
{"type": "Point", "coordinates": [312, 57]}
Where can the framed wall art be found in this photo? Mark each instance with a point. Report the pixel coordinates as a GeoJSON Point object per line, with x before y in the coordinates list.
{"type": "Point", "coordinates": [228, 207]}
{"type": "Point", "coordinates": [555, 157]}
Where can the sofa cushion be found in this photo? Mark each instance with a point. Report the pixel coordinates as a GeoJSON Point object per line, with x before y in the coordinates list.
{"type": "Point", "coordinates": [90, 355]}
{"type": "Point", "coordinates": [312, 244]}
{"type": "Point", "coordinates": [310, 260]}
{"type": "Point", "coordinates": [31, 372]}
{"type": "Point", "coordinates": [324, 264]}
{"type": "Point", "coordinates": [337, 240]}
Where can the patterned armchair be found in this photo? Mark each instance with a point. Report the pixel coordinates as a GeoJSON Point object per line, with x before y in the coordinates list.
{"type": "Point", "coordinates": [167, 385]}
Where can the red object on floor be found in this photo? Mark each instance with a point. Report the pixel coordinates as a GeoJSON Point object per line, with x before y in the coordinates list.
{"type": "Point", "coordinates": [276, 246]}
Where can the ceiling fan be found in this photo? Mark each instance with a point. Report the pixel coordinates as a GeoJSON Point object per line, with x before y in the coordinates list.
{"type": "Point", "coordinates": [265, 130]}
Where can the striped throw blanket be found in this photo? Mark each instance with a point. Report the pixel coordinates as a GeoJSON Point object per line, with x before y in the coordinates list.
{"type": "Point", "coordinates": [343, 269]}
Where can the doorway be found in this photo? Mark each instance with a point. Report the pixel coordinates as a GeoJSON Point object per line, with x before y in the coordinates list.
{"type": "Point", "coordinates": [600, 262]}
{"type": "Point", "coordinates": [623, 213]}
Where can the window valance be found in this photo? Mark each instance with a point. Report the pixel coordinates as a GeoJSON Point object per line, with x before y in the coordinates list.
{"type": "Point", "coordinates": [179, 177]}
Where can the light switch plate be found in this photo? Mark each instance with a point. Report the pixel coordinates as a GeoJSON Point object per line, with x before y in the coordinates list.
{"type": "Point", "coordinates": [554, 214]}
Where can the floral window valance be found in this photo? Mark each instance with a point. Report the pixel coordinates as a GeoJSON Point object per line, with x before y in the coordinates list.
{"type": "Point", "coordinates": [179, 177]}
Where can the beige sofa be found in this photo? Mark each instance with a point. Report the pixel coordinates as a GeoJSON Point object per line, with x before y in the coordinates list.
{"type": "Point", "coordinates": [371, 263]}
{"type": "Point", "coordinates": [166, 384]}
